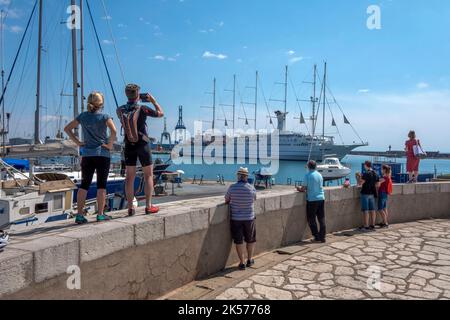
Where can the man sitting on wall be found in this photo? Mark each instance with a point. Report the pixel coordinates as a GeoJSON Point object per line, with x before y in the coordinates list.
{"type": "Point", "coordinates": [315, 206]}
{"type": "Point", "coordinates": [241, 198]}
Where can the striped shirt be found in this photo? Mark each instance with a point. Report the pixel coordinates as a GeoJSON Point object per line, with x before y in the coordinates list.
{"type": "Point", "coordinates": [241, 197]}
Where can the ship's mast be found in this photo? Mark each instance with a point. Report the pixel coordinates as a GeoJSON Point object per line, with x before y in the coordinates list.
{"type": "Point", "coordinates": [82, 56]}
{"type": "Point", "coordinates": [256, 99]}
{"type": "Point", "coordinates": [324, 99]}
{"type": "Point", "coordinates": [314, 101]}
{"type": "Point", "coordinates": [234, 103]}
{"type": "Point", "coordinates": [286, 90]}
{"type": "Point", "coordinates": [74, 64]}
{"type": "Point", "coordinates": [214, 105]}
{"type": "Point", "coordinates": [38, 79]}
{"type": "Point", "coordinates": [3, 132]}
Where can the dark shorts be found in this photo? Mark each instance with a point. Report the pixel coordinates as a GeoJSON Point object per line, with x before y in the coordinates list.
{"type": "Point", "coordinates": [243, 230]}
{"type": "Point", "coordinates": [382, 201]}
{"type": "Point", "coordinates": [137, 151]}
{"type": "Point", "coordinates": [91, 165]}
{"type": "Point", "coordinates": [367, 203]}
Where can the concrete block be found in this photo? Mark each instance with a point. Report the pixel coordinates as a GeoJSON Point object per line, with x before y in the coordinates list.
{"type": "Point", "coordinates": [409, 189]}
{"type": "Point", "coordinates": [52, 256]}
{"type": "Point", "coordinates": [259, 206]}
{"type": "Point", "coordinates": [180, 224]}
{"type": "Point", "coordinates": [272, 203]}
{"type": "Point", "coordinates": [397, 189]}
{"type": "Point", "coordinates": [147, 229]}
{"type": "Point", "coordinates": [445, 187]}
{"type": "Point", "coordinates": [425, 188]}
{"type": "Point", "coordinates": [219, 214]}
{"type": "Point", "coordinates": [356, 192]}
{"type": "Point", "coordinates": [100, 240]}
{"type": "Point", "coordinates": [292, 200]}
{"type": "Point", "coordinates": [339, 194]}
{"type": "Point", "coordinates": [16, 270]}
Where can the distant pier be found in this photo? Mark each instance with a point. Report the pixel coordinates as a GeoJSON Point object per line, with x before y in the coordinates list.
{"type": "Point", "coordinates": [399, 154]}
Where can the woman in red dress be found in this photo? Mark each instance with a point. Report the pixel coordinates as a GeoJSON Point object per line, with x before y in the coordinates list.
{"type": "Point", "coordinates": [413, 162]}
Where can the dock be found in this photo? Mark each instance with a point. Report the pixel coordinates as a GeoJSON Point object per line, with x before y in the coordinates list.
{"type": "Point", "coordinates": [399, 154]}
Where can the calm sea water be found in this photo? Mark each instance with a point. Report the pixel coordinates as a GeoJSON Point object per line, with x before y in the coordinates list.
{"type": "Point", "coordinates": [296, 170]}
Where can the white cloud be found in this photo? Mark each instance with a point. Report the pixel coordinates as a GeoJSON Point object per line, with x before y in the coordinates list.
{"type": "Point", "coordinates": [210, 55]}
{"type": "Point", "coordinates": [159, 57]}
{"type": "Point", "coordinates": [121, 25]}
{"type": "Point", "coordinates": [422, 85]}
{"type": "Point", "coordinates": [363, 90]}
{"type": "Point", "coordinates": [107, 18]}
{"type": "Point", "coordinates": [295, 60]}
{"type": "Point", "coordinates": [290, 52]}
{"type": "Point", "coordinates": [107, 42]}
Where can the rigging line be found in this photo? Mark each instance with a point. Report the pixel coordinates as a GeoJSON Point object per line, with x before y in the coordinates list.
{"type": "Point", "coordinates": [342, 111]}
{"type": "Point", "coordinates": [22, 74]}
{"type": "Point", "coordinates": [103, 56]}
{"type": "Point", "coordinates": [17, 54]}
{"type": "Point", "coordinates": [298, 102]}
{"type": "Point", "coordinates": [337, 128]}
{"type": "Point", "coordinates": [265, 99]}
{"type": "Point", "coordinates": [241, 99]}
{"type": "Point", "coordinates": [114, 42]}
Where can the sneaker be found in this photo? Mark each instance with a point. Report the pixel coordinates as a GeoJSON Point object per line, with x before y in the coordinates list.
{"type": "Point", "coordinates": [384, 226]}
{"type": "Point", "coordinates": [372, 228]}
{"type": "Point", "coordinates": [4, 238]}
{"type": "Point", "coordinates": [131, 212]}
{"type": "Point", "coordinates": [250, 263]}
{"type": "Point", "coordinates": [151, 210]}
{"type": "Point", "coordinates": [103, 218]}
{"type": "Point", "coordinates": [80, 219]}
{"type": "Point", "coordinates": [242, 267]}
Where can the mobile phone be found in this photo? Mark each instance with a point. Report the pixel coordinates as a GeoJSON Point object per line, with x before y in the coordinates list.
{"type": "Point", "coordinates": [143, 97]}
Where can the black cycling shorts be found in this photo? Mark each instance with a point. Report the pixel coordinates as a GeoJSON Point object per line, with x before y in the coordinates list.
{"type": "Point", "coordinates": [141, 151]}
{"type": "Point", "coordinates": [91, 165]}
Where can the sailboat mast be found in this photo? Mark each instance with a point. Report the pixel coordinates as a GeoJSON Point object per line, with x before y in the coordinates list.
{"type": "Point", "coordinates": [82, 55]}
{"type": "Point", "coordinates": [37, 116]}
{"type": "Point", "coordinates": [286, 91]}
{"type": "Point", "coordinates": [314, 100]}
{"type": "Point", "coordinates": [324, 98]}
{"type": "Point", "coordinates": [256, 99]}
{"type": "Point", "coordinates": [214, 105]}
{"type": "Point", "coordinates": [2, 43]}
{"type": "Point", "coordinates": [234, 103]}
{"type": "Point", "coordinates": [74, 64]}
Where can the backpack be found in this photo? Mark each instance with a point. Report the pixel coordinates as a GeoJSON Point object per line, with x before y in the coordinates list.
{"type": "Point", "coordinates": [129, 119]}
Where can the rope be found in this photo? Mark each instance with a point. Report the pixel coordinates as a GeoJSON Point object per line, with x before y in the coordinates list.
{"type": "Point", "coordinates": [342, 111]}
{"type": "Point", "coordinates": [17, 54]}
{"type": "Point", "coordinates": [101, 50]}
{"type": "Point", "coordinates": [114, 42]}
{"type": "Point", "coordinates": [298, 102]}
{"type": "Point", "coordinates": [265, 99]}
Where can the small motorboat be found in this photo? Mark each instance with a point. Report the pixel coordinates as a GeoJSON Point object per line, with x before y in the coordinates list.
{"type": "Point", "coordinates": [332, 169]}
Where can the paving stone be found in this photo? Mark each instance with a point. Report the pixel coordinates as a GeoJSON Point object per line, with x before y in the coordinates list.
{"type": "Point", "coordinates": [233, 294]}
{"type": "Point", "coordinates": [268, 280]}
{"type": "Point", "coordinates": [273, 293]}
{"type": "Point", "coordinates": [344, 293]}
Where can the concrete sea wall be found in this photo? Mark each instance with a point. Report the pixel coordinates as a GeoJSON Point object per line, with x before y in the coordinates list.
{"type": "Point", "coordinates": [146, 257]}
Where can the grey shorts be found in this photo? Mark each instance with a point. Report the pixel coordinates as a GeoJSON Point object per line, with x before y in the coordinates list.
{"type": "Point", "coordinates": [243, 230]}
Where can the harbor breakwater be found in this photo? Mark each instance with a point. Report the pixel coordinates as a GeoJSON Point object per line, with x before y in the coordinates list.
{"type": "Point", "coordinates": [145, 257]}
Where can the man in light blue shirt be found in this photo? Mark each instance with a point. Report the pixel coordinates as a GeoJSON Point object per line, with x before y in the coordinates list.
{"type": "Point", "coordinates": [315, 206]}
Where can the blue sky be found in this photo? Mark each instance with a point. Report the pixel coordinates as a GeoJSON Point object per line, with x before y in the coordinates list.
{"type": "Point", "coordinates": [388, 81]}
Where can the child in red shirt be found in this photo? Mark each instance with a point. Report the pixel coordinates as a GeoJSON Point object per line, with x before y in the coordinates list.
{"type": "Point", "coordinates": [384, 192]}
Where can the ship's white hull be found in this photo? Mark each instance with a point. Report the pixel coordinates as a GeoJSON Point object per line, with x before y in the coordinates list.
{"type": "Point", "coordinates": [291, 147]}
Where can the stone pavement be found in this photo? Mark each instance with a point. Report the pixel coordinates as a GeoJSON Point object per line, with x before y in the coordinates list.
{"type": "Point", "coordinates": [409, 261]}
